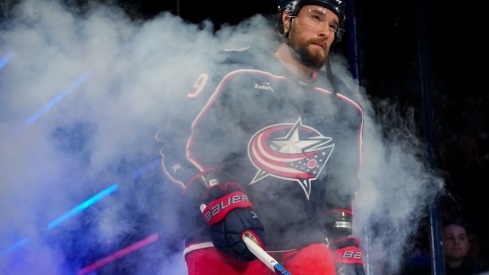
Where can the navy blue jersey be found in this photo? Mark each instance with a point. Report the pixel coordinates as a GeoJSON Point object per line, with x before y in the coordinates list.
{"type": "Point", "coordinates": [295, 146]}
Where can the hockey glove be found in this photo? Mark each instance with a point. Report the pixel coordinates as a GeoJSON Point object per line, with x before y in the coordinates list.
{"type": "Point", "coordinates": [348, 256]}
{"type": "Point", "coordinates": [229, 215]}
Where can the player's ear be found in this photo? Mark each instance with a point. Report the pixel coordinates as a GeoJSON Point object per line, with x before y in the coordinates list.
{"type": "Point", "coordinates": [286, 21]}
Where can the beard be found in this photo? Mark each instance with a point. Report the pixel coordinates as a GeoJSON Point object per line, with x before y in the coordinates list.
{"type": "Point", "coordinates": [311, 58]}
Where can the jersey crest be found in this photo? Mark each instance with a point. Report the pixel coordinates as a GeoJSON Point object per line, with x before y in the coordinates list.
{"type": "Point", "coordinates": [290, 151]}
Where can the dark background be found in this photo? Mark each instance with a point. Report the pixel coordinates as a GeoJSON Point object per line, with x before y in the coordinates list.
{"type": "Point", "coordinates": [387, 36]}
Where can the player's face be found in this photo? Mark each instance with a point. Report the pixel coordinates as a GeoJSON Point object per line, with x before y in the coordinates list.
{"type": "Point", "coordinates": [312, 33]}
{"type": "Point", "coordinates": [455, 242]}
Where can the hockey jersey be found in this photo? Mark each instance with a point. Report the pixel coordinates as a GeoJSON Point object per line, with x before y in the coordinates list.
{"type": "Point", "coordinates": [294, 146]}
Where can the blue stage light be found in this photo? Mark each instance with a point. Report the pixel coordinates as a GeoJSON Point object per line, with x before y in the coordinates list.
{"type": "Point", "coordinates": [6, 58]}
{"type": "Point", "coordinates": [13, 247]}
{"type": "Point", "coordinates": [136, 174]}
{"type": "Point", "coordinates": [83, 206]}
{"type": "Point", "coordinates": [55, 100]}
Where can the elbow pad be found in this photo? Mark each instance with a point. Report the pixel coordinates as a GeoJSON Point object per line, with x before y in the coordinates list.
{"type": "Point", "coordinates": [338, 224]}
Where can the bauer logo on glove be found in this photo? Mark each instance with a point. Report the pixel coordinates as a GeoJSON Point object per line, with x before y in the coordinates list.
{"type": "Point", "coordinates": [218, 209]}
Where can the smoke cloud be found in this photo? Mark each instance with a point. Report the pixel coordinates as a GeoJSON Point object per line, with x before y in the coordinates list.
{"type": "Point", "coordinates": [82, 94]}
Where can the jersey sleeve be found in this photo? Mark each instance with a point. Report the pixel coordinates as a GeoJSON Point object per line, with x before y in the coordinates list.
{"type": "Point", "coordinates": [193, 137]}
{"type": "Point", "coordinates": [344, 179]}
{"type": "Point", "coordinates": [179, 163]}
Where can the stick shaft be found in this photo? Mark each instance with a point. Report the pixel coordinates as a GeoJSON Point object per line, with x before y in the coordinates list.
{"type": "Point", "coordinates": [263, 256]}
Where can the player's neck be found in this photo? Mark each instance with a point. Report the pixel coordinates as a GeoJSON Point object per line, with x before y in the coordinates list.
{"type": "Point", "coordinates": [295, 67]}
{"type": "Point", "coordinates": [453, 263]}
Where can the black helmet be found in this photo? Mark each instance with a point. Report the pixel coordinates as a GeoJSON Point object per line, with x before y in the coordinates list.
{"type": "Point", "coordinates": [294, 6]}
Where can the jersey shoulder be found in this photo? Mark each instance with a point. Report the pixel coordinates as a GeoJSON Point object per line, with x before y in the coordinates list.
{"type": "Point", "coordinates": [247, 57]}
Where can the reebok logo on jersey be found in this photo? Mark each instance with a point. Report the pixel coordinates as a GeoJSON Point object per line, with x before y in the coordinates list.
{"type": "Point", "coordinates": [265, 86]}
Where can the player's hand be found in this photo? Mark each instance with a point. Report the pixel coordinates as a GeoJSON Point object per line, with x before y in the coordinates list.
{"type": "Point", "coordinates": [229, 214]}
{"type": "Point", "coordinates": [348, 256]}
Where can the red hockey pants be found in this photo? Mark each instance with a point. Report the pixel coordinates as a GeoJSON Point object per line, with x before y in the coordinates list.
{"type": "Point", "coordinates": [315, 259]}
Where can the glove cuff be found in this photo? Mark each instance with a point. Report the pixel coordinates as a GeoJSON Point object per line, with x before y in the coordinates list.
{"type": "Point", "coordinates": [347, 251]}
{"type": "Point", "coordinates": [348, 255]}
{"type": "Point", "coordinates": [218, 209]}
{"type": "Point", "coordinates": [349, 241]}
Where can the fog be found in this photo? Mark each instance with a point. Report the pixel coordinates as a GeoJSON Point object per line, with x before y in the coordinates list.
{"type": "Point", "coordinates": [83, 93]}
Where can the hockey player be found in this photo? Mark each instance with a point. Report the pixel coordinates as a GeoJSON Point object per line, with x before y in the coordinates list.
{"type": "Point", "coordinates": [270, 147]}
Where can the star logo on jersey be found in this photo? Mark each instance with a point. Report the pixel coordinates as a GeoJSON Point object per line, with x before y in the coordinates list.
{"type": "Point", "coordinates": [176, 167]}
{"type": "Point", "coordinates": [290, 151]}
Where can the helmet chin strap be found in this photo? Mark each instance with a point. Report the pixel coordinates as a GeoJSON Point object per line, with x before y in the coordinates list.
{"type": "Point", "coordinates": [329, 73]}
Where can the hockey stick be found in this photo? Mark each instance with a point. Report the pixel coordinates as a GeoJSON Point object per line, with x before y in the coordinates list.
{"type": "Point", "coordinates": [262, 255]}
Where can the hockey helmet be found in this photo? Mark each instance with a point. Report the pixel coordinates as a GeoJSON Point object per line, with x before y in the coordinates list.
{"type": "Point", "coordinates": [294, 6]}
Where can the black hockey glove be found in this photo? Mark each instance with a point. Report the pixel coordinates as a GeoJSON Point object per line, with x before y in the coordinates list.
{"type": "Point", "coordinates": [229, 215]}
{"type": "Point", "coordinates": [348, 256]}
